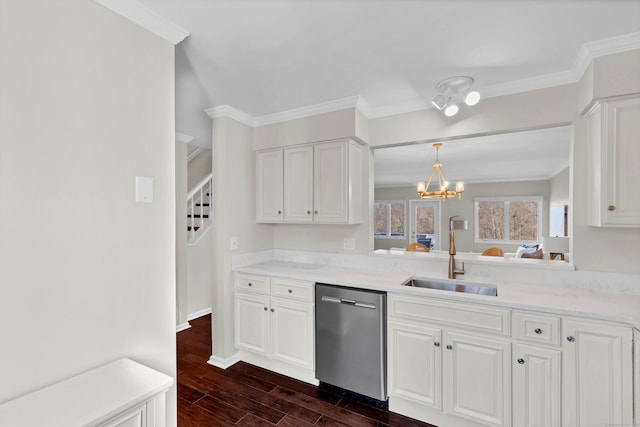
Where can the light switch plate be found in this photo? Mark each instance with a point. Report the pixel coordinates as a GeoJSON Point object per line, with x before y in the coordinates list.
{"type": "Point", "coordinates": [144, 189]}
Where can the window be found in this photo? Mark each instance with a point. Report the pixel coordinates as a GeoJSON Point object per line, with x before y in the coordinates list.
{"type": "Point", "coordinates": [508, 219]}
{"type": "Point", "coordinates": [389, 218]}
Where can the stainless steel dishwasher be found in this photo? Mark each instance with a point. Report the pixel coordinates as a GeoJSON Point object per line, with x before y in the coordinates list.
{"type": "Point", "coordinates": [351, 339]}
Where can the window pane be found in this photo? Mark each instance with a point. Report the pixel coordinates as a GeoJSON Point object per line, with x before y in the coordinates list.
{"type": "Point", "coordinates": [397, 219]}
{"type": "Point", "coordinates": [491, 220]}
{"type": "Point", "coordinates": [380, 218]}
{"type": "Point", "coordinates": [523, 221]}
{"type": "Point", "coordinates": [425, 220]}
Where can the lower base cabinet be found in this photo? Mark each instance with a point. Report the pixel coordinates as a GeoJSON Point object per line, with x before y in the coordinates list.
{"type": "Point", "coordinates": [274, 324]}
{"type": "Point", "coordinates": [453, 368]}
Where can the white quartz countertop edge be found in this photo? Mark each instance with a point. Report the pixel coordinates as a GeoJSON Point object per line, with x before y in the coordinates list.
{"type": "Point", "coordinates": [614, 307]}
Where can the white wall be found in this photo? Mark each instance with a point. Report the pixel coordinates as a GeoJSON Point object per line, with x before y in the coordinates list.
{"type": "Point", "coordinates": [233, 215]}
{"type": "Point", "coordinates": [200, 275]}
{"type": "Point", "coordinates": [198, 168]}
{"type": "Point", "coordinates": [87, 274]}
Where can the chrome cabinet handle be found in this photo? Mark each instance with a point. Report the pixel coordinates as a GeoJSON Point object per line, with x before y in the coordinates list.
{"type": "Point", "coordinates": [449, 347]}
{"type": "Point", "coordinates": [521, 361]}
{"type": "Point", "coordinates": [538, 331]}
{"type": "Point", "coordinates": [570, 338]}
{"type": "Point", "coordinates": [437, 344]}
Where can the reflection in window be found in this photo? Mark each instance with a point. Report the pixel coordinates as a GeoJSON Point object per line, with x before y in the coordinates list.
{"type": "Point", "coordinates": [389, 218]}
{"type": "Point", "coordinates": [508, 219]}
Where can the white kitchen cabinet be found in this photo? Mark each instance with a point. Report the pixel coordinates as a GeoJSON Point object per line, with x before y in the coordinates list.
{"type": "Point", "coordinates": [477, 379]}
{"type": "Point", "coordinates": [536, 370]}
{"type": "Point", "coordinates": [449, 362]}
{"type": "Point", "coordinates": [274, 324]}
{"type": "Point", "coordinates": [613, 127]}
{"type": "Point", "coordinates": [298, 184]}
{"type": "Point", "coordinates": [337, 182]}
{"type": "Point", "coordinates": [536, 386]}
{"type": "Point", "coordinates": [636, 375]}
{"type": "Point", "coordinates": [269, 190]}
{"type": "Point", "coordinates": [417, 347]}
{"type": "Point", "coordinates": [318, 183]}
{"type": "Point", "coordinates": [596, 374]}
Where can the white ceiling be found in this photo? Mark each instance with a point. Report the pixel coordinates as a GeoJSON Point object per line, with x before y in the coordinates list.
{"type": "Point", "coordinates": [268, 56]}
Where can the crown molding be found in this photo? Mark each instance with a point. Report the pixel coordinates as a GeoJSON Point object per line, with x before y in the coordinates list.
{"type": "Point", "coordinates": [181, 137]}
{"type": "Point", "coordinates": [230, 112]}
{"type": "Point", "coordinates": [310, 110]}
{"type": "Point", "coordinates": [146, 18]}
{"type": "Point", "coordinates": [604, 47]}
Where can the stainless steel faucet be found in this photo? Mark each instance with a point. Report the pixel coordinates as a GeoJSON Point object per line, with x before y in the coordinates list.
{"type": "Point", "coordinates": [452, 271]}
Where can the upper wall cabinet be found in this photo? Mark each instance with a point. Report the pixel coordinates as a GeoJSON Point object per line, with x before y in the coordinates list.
{"type": "Point", "coordinates": [316, 183]}
{"type": "Point", "coordinates": [613, 158]}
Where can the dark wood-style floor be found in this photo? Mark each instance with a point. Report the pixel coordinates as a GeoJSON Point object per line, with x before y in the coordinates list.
{"type": "Point", "coordinates": [246, 395]}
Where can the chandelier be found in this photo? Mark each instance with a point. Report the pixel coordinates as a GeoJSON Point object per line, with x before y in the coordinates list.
{"type": "Point", "coordinates": [443, 191]}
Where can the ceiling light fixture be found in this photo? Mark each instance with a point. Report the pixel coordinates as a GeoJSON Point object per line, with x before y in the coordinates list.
{"type": "Point", "coordinates": [452, 92]}
{"type": "Point", "coordinates": [443, 191]}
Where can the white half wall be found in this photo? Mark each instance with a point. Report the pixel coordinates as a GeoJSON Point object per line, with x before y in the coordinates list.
{"type": "Point", "coordinates": [87, 273]}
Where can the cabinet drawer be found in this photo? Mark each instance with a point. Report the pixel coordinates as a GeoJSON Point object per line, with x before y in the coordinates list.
{"type": "Point", "coordinates": [451, 314]}
{"type": "Point", "coordinates": [292, 289]}
{"type": "Point", "coordinates": [250, 283]}
{"type": "Point", "coordinates": [536, 328]}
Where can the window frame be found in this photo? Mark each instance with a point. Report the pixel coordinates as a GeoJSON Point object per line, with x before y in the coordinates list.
{"type": "Point", "coordinates": [506, 200]}
{"type": "Point", "coordinates": [404, 220]}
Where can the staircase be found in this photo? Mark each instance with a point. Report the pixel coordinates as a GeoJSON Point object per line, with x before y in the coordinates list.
{"type": "Point", "coordinates": [199, 210]}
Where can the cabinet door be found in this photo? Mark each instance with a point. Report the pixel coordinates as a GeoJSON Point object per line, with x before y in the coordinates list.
{"type": "Point", "coordinates": [476, 379]}
{"type": "Point", "coordinates": [252, 323]}
{"type": "Point", "coordinates": [596, 374]}
{"type": "Point", "coordinates": [614, 179]}
{"type": "Point", "coordinates": [292, 332]}
{"type": "Point", "coordinates": [269, 186]}
{"type": "Point", "coordinates": [298, 184]}
{"type": "Point", "coordinates": [536, 386]}
{"type": "Point", "coordinates": [330, 183]}
{"type": "Point", "coordinates": [414, 363]}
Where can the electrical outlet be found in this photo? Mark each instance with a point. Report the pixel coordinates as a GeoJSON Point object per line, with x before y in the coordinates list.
{"type": "Point", "coordinates": [234, 243]}
{"type": "Point", "coordinates": [349, 244]}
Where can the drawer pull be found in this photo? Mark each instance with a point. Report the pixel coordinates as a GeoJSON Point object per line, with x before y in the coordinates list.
{"type": "Point", "coordinates": [290, 291]}
{"type": "Point", "coordinates": [308, 212]}
{"type": "Point", "coordinates": [250, 284]}
{"type": "Point", "coordinates": [611, 208]}
{"type": "Point", "coordinates": [437, 344]}
{"type": "Point", "coordinates": [316, 212]}
{"type": "Point", "coordinates": [538, 331]}
{"type": "Point", "coordinates": [570, 338]}
{"type": "Point", "coordinates": [272, 310]}
{"type": "Point", "coordinates": [279, 212]}
{"type": "Point", "coordinates": [265, 309]}
{"type": "Point", "coordinates": [449, 347]}
{"type": "Point", "coordinates": [521, 361]}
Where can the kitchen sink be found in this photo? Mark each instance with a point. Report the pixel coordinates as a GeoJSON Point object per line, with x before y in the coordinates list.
{"type": "Point", "coordinates": [470, 288]}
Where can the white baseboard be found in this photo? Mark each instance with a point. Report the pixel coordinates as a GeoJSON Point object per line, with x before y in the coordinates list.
{"type": "Point", "coordinates": [223, 363]}
{"type": "Point", "coordinates": [182, 326]}
{"type": "Point", "coordinates": [200, 313]}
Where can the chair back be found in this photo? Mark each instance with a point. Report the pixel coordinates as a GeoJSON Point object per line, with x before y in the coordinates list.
{"type": "Point", "coordinates": [493, 252]}
{"type": "Point", "coordinates": [417, 247]}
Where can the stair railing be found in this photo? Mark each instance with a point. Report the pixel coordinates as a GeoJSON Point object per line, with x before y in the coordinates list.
{"type": "Point", "coordinates": [199, 205]}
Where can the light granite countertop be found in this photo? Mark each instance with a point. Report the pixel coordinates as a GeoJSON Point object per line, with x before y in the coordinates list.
{"type": "Point", "coordinates": [617, 307]}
